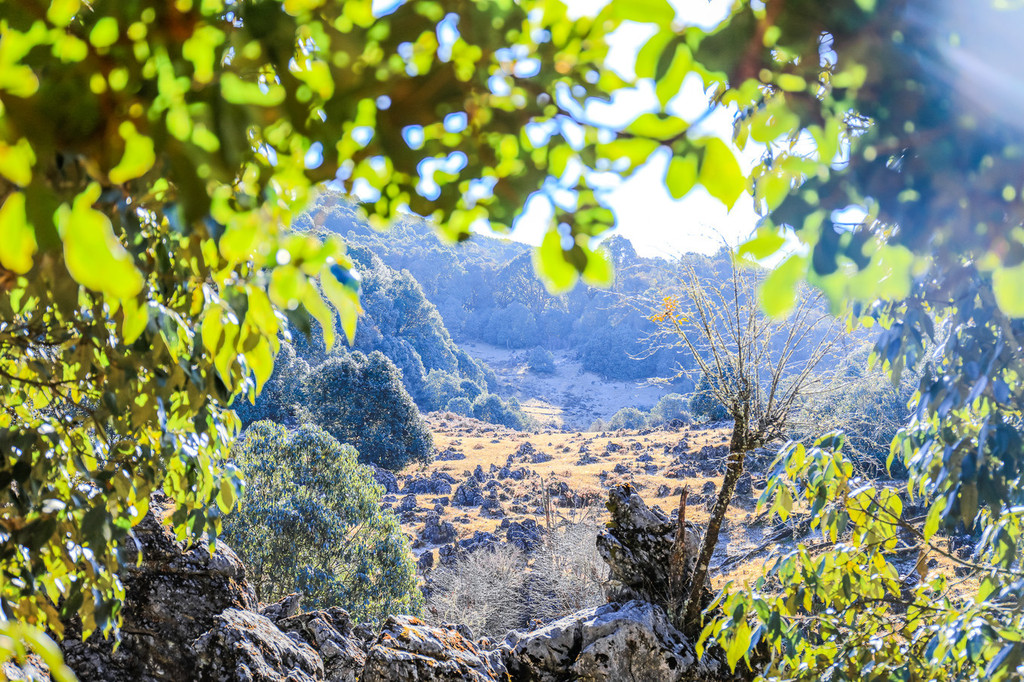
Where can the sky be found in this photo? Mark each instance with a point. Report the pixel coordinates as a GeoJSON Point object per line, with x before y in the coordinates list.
{"type": "Point", "coordinates": [645, 213]}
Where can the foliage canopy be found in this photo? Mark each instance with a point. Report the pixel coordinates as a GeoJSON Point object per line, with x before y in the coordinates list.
{"type": "Point", "coordinates": [311, 521]}
{"type": "Point", "coordinates": [153, 154]}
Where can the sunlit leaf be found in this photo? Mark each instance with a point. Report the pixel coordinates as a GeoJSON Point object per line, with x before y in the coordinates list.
{"type": "Point", "coordinates": [721, 174]}
{"type": "Point", "coordinates": [17, 236]}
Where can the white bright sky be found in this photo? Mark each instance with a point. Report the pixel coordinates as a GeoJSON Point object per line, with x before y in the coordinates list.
{"type": "Point", "coordinates": [645, 213]}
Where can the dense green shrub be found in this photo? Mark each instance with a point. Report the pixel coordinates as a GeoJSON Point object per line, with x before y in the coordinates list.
{"type": "Point", "coordinates": [672, 406]}
{"type": "Point", "coordinates": [470, 389]}
{"type": "Point", "coordinates": [490, 408]}
{"type": "Point", "coordinates": [359, 399]}
{"type": "Point", "coordinates": [460, 406]}
{"type": "Point", "coordinates": [513, 327]}
{"type": "Point", "coordinates": [311, 521]}
{"type": "Point", "coordinates": [704, 405]}
{"type": "Point", "coordinates": [541, 361]}
{"type": "Point", "coordinates": [628, 418]}
{"type": "Point", "coordinates": [440, 388]}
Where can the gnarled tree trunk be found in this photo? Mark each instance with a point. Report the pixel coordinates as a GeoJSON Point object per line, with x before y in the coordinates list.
{"type": "Point", "coordinates": [742, 441]}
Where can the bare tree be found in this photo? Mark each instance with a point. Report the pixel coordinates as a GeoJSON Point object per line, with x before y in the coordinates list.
{"type": "Point", "coordinates": [757, 367]}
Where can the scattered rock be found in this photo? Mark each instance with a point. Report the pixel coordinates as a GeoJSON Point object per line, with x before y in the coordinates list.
{"type": "Point", "coordinates": [468, 494]}
{"type": "Point", "coordinates": [407, 650]}
{"type": "Point", "coordinates": [515, 474]}
{"type": "Point", "coordinates": [385, 478]}
{"type": "Point", "coordinates": [450, 454]}
{"type": "Point", "coordinates": [491, 508]}
{"type": "Point", "coordinates": [526, 534]}
{"type": "Point", "coordinates": [439, 483]}
{"type": "Point", "coordinates": [438, 532]}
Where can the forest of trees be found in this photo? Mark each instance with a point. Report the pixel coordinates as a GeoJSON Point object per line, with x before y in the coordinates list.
{"type": "Point", "coordinates": [486, 290]}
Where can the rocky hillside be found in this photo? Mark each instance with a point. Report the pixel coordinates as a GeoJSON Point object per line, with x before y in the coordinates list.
{"type": "Point", "coordinates": [191, 615]}
{"type": "Point", "coordinates": [490, 485]}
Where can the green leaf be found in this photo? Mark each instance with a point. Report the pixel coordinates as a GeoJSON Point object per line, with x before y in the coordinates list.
{"type": "Point", "coordinates": [599, 271]}
{"type": "Point", "coordinates": [657, 127]}
{"type": "Point", "coordinates": [138, 158]}
{"type": "Point", "coordinates": [1008, 287]}
{"type": "Point", "coordinates": [227, 497]}
{"type": "Point", "coordinates": [94, 256]}
{"type": "Point", "coordinates": [968, 503]}
{"type": "Point", "coordinates": [931, 524]}
{"type": "Point", "coordinates": [550, 263]}
{"type": "Point", "coordinates": [637, 150]}
{"type": "Point", "coordinates": [681, 175]}
{"type": "Point", "coordinates": [16, 161]}
{"type": "Point", "coordinates": [104, 33]}
{"type": "Point", "coordinates": [643, 11]}
{"type": "Point", "coordinates": [765, 242]}
{"type": "Point", "coordinates": [739, 645]}
{"type": "Point", "coordinates": [669, 85]}
{"type": "Point", "coordinates": [779, 290]}
{"type": "Point", "coordinates": [721, 174]}
{"type": "Point", "coordinates": [17, 236]}
{"type": "Point", "coordinates": [341, 287]}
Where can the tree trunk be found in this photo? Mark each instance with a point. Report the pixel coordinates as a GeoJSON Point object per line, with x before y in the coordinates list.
{"type": "Point", "coordinates": [677, 563]}
{"type": "Point", "coordinates": [741, 441]}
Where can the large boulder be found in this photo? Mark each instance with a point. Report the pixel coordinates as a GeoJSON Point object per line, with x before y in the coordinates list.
{"type": "Point", "coordinates": [468, 494]}
{"type": "Point", "coordinates": [637, 546]}
{"type": "Point", "coordinates": [172, 596]}
{"type": "Point", "coordinates": [331, 634]}
{"type": "Point", "coordinates": [245, 646]}
{"type": "Point", "coordinates": [407, 650]}
{"type": "Point", "coordinates": [438, 532]}
{"type": "Point", "coordinates": [607, 643]}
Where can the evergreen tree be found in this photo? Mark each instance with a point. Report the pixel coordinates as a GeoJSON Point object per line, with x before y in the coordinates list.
{"type": "Point", "coordinates": [311, 521]}
{"type": "Point", "coordinates": [359, 399]}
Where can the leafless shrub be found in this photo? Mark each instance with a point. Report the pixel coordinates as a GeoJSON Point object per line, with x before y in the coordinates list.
{"type": "Point", "coordinates": [568, 574]}
{"type": "Point", "coordinates": [485, 590]}
{"type": "Point", "coordinates": [501, 589]}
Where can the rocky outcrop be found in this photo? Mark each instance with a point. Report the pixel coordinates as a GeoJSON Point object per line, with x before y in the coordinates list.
{"type": "Point", "coordinates": [191, 615]}
{"type": "Point", "coordinates": [172, 597]}
{"type": "Point", "coordinates": [331, 634]}
{"type": "Point", "coordinates": [630, 641]}
{"type": "Point", "coordinates": [637, 546]}
{"type": "Point", "coordinates": [243, 645]}
{"type": "Point", "coordinates": [409, 650]}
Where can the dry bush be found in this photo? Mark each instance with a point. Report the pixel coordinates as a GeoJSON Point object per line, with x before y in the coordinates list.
{"type": "Point", "coordinates": [483, 590]}
{"type": "Point", "coordinates": [568, 574]}
{"type": "Point", "coordinates": [494, 591]}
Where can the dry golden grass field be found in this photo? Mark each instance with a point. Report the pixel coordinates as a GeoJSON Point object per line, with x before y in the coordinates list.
{"type": "Point", "coordinates": [580, 468]}
{"type": "Point", "coordinates": [658, 463]}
